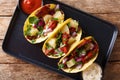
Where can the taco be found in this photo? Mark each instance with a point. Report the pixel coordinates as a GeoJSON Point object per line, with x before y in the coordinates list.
{"type": "Point", "coordinates": [80, 56]}
{"type": "Point", "coordinates": [42, 22]}
{"type": "Point", "coordinates": [62, 39]}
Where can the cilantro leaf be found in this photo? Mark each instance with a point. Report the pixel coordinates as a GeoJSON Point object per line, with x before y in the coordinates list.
{"type": "Point", "coordinates": [60, 66]}
{"type": "Point", "coordinates": [48, 46]}
{"type": "Point", "coordinates": [60, 53]}
{"type": "Point", "coordinates": [59, 39]}
{"type": "Point", "coordinates": [40, 28]}
{"type": "Point", "coordinates": [55, 19]}
{"type": "Point", "coordinates": [27, 32]}
{"type": "Point", "coordinates": [33, 20]}
{"type": "Point", "coordinates": [33, 40]}
{"type": "Point", "coordinates": [68, 24]}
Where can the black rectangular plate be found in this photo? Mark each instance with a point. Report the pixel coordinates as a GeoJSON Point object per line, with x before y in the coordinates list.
{"type": "Point", "coordinates": [16, 45]}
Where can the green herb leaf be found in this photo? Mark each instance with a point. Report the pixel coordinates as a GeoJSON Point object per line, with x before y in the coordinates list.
{"type": "Point", "coordinates": [27, 32]}
{"type": "Point", "coordinates": [59, 39]}
{"type": "Point", "coordinates": [82, 51]}
{"type": "Point", "coordinates": [60, 66]}
{"type": "Point", "coordinates": [79, 63]}
{"type": "Point", "coordinates": [68, 24]}
{"type": "Point", "coordinates": [60, 53]}
{"type": "Point", "coordinates": [33, 20]}
{"type": "Point", "coordinates": [40, 28]}
{"type": "Point", "coordinates": [33, 40]}
{"type": "Point", "coordinates": [55, 19]}
{"type": "Point", "coordinates": [48, 46]}
{"type": "Point", "coordinates": [77, 50]}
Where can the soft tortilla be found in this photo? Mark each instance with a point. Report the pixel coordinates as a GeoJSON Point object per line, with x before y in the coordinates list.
{"type": "Point", "coordinates": [69, 70]}
{"type": "Point", "coordinates": [59, 27]}
{"type": "Point", "coordinates": [42, 38]}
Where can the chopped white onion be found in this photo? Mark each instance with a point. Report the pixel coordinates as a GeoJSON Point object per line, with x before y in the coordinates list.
{"type": "Point", "coordinates": [57, 6]}
{"type": "Point", "coordinates": [79, 66]}
{"type": "Point", "coordinates": [64, 60]}
{"type": "Point", "coordinates": [91, 46]}
{"type": "Point", "coordinates": [74, 34]}
{"type": "Point", "coordinates": [47, 30]}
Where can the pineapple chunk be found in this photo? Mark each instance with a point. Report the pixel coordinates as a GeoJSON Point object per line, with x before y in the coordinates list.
{"type": "Point", "coordinates": [58, 15]}
{"type": "Point", "coordinates": [74, 23]}
{"type": "Point", "coordinates": [52, 42]}
{"type": "Point", "coordinates": [33, 31]}
{"type": "Point", "coordinates": [47, 18]}
{"type": "Point", "coordinates": [52, 6]}
{"type": "Point", "coordinates": [71, 63]}
{"type": "Point", "coordinates": [65, 29]}
{"type": "Point", "coordinates": [71, 40]}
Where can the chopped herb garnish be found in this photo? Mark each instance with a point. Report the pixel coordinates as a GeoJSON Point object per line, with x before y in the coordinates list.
{"type": "Point", "coordinates": [82, 51]}
{"type": "Point", "coordinates": [48, 46]}
{"type": "Point", "coordinates": [40, 33]}
{"type": "Point", "coordinates": [68, 24]}
{"type": "Point", "coordinates": [60, 53]}
{"type": "Point", "coordinates": [55, 19]}
{"type": "Point", "coordinates": [27, 32]}
{"type": "Point", "coordinates": [60, 66]}
{"type": "Point", "coordinates": [33, 40]}
{"type": "Point", "coordinates": [40, 30]}
{"type": "Point", "coordinates": [77, 50]}
{"type": "Point", "coordinates": [59, 39]}
{"type": "Point", "coordinates": [79, 63]}
{"type": "Point", "coordinates": [33, 20]}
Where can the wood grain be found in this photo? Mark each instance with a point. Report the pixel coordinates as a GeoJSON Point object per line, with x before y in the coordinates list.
{"type": "Point", "coordinates": [15, 69]}
{"type": "Point", "coordinates": [112, 71]}
{"type": "Point", "coordinates": [95, 6]}
{"type": "Point", "coordinates": [90, 6]}
{"type": "Point", "coordinates": [113, 18]}
{"type": "Point", "coordinates": [4, 23]}
{"type": "Point", "coordinates": [27, 72]}
{"type": "Point", "coordinates": [32, 72]}
{"type": "Point", "coordinates": [7, 7]}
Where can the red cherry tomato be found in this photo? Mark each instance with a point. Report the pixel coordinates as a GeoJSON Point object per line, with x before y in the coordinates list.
{"type": "Point", "coordinates": [49, 51]}
{"type": "Point", "coordinates": [64, 49]}
{"type": "Point", "coordinates": [53, 24]}
{"type": "Point", "coordinates": [28, 6]}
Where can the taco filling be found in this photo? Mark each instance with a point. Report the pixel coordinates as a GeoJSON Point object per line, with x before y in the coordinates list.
{"type": "Point", "coordinates": [60, 43]}
{"type": "Point", "coordinates": [42, 22]}
{"type": "Point", "coordinates": [82, 54]}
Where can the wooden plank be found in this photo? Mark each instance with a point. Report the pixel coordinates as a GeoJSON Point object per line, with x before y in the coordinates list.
{"type": "Point", "coordinates": [27, 72]}
{"type": "Point", "coordinates": [90, 6]}
{"type": "Point", "coordinates": [112, 71]}
{"type": "Point", "coordinates": [115, 55]}
{"type": "Point", "coordinates": [31, 72]}
{"type": "Point", "coordinates": [113, 18]}
{"type": "Point", "coordinates": [95, 6]}
{"type": "Point", "coordinates": [7, 7]}
{"type": "Point", "coordinates": [3, 26]}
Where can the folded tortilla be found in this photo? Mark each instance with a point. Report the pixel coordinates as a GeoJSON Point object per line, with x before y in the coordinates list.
{"type": "Point", "coordinates": [62, 39]}
{"type": "Point", "coordinates": [80, 56]}
{"type": "Point", "coordinates": [42, 22]}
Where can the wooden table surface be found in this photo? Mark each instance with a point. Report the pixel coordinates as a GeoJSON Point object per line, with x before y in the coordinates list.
{"type": "Point", "coordinates": [15, 69]}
